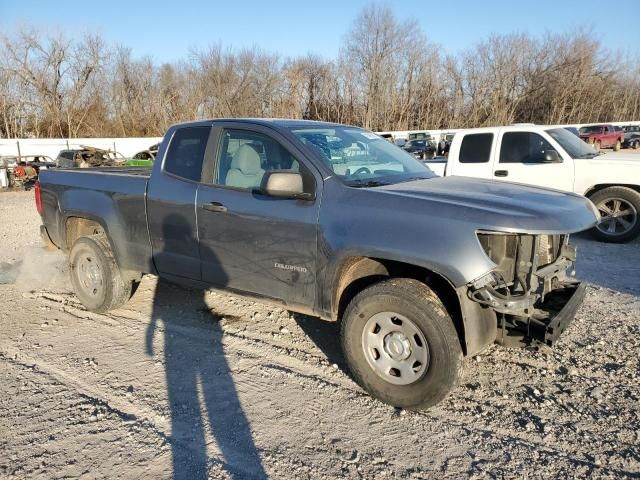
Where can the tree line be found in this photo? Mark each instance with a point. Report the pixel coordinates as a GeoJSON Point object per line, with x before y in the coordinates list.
{"type": "Point", "coordinates": [387, 76]}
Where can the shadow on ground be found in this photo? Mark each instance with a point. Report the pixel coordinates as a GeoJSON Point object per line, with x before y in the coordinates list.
{"type": "Point", "coordinates": [325, 336]}
{"type": "Point", "coordinates": [200, 388]}
{"type": "Point", "coordinates": [201, 391]}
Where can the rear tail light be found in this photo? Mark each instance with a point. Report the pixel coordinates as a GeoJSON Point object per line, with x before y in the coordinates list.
{"type": "Point", "coordinates": [38, 193]}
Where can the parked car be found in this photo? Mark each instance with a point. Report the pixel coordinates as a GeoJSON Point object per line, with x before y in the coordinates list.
{"type": "Point", "coordinates": [85, 157]}
{"type": "Point", "coordinates": [145, 158]}
{"type": "Point", "coordinates": [631, 136]}
{"type": "Point", "coordinates": [420, 136]}
{"type": "Point", "coordinates": [554, 158]}
{"type": "Point", "coordinates": [420, 270]}
{"type": "Point", "coordinates": [421, 149]}
{"type": "Point", "coordinates": [602, 136]}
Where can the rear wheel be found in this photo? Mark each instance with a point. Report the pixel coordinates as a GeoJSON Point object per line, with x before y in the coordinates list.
{"type": "Point", "coordinates": [401, 345]}
{"type": "Point", "coordinates": [636, 144]}
{"type": "Point", "coordinates": [95, 275]}
{"type": "Point", "coordinates": [619, 208]}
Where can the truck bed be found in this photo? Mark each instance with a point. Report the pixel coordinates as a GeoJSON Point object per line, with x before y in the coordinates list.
{"type": "Point", "coordinates": [113, 195]}
{"type": "Point", "coordinates": [138, 171]}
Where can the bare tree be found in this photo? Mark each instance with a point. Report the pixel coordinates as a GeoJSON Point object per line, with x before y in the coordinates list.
{"type": "Point", "coordinates": [387, 77]}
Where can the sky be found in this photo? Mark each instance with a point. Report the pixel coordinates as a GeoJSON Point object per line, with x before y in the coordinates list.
{"type": "Point", "coordinates": [168, 31]}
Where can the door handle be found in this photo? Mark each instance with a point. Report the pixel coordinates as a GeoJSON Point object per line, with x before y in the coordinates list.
{"type": "Point", "coordinates": [214, 207]}
{"type": "Point", "coordinates": [501, 173]}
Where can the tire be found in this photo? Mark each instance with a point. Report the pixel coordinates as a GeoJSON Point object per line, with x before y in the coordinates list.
{"type": "Point", "coordinates": [596, 145]}
{"type": "Point", "coordinates": [635, 145]}
{"type": "Point", "coordinates": [403, 299]}
{"type": "Point", "coordinates": [625, 199]}
{"type": "Point", "coordinates": [95, 275]}
{"type": "Point", "coordinates": [617, 146]}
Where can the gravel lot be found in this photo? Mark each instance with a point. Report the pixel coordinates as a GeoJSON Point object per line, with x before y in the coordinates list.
{"type": "Point", "coordinates": [185, 384]}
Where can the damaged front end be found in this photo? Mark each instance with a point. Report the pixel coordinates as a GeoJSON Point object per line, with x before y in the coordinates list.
{"type": "Point", "coordinates": [529, 289]}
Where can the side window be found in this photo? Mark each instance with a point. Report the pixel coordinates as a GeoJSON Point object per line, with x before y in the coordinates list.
{"type": "Point", "coordinates": [244, 157]}
{"type": "Point", "coordinates": [523, 147]}
{"type": "Point", "coordinates": [476, 148]}
{"type": "Point", "coordinates": [186, 152]}
{"type": "Point", "coordinates": [67, 154]}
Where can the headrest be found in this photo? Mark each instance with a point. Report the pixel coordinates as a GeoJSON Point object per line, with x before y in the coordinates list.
{"type": "Point", "coordinates": [247, 160]}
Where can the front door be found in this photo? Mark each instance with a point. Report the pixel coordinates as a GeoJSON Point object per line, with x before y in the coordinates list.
{"type": "Point", "coordinates": [253, 242]}
{"type": "Point", "coordinates": [521, 159]}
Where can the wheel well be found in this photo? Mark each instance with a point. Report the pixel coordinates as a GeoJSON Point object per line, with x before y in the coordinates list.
{"type": "Point", "coordinates": [360, 272]}
{"type": "Point", "coordinates": [602, 186]}
{"type": "Point", "coordinates": [76, 227]}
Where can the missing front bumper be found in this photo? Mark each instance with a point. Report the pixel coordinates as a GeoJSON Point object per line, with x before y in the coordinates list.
{"type": "Point", "coordinates": [548, 320]}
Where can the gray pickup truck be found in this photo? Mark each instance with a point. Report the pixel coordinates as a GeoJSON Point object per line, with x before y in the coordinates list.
{"type": "Point", "coordinates": [331, 221]}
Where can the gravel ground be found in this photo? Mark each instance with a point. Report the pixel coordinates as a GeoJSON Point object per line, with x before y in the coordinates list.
{"type": "Point", "coordinates": [185, 384]}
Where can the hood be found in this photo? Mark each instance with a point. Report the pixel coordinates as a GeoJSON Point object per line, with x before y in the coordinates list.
{"type": "Point", "coordinates": [499, 206]}
{"type": "Point", "coordinates": [615, 159]}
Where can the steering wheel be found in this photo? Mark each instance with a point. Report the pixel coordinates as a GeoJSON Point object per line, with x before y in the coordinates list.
{"type": "Point", "coordinates": [362, 170]}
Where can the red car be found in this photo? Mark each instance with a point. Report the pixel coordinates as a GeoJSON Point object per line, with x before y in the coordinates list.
{"type": "Point", "coordinates": [602, 136]}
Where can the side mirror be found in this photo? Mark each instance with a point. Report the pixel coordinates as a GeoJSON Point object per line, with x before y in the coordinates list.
{"type": "Point", "coordinates": [551, 156]}
{"type": "Point", "coordinates": [283, 184]}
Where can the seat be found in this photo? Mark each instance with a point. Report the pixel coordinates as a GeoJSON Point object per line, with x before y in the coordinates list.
{"type": "Point", "coordinates": [245, 170]}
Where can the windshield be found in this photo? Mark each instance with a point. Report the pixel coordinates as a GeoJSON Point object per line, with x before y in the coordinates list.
{"type": "Point", "coordinates": [361, 158]}
{"type": "Point", "coordinates": [593, 129]}
{"type": "Point", "coordinates": [573, 145]}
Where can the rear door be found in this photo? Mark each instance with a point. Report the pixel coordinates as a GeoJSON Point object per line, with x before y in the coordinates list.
{"type": "Point", "coordinates": [171, 200]}
{"type": "Point", "coordinates": [252, 242]}
{"type": "Point", "coordinates": [472, 156]}
{"type": "Point", "coordinates": [520, 158]}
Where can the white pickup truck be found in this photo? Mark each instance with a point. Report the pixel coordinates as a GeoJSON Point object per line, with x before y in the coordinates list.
{"type": "Point", "coordinates": [555, 158]}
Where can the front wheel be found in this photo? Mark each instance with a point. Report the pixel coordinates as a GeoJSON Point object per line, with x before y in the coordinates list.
{"type": "Point", "coordinates": [617, 146]}
{"type": "Point", "coordinates": [95, 275]}
{"type": "Point", "coordinates": [401, 345]}
{"type": "Point", "coordinates": [596, 145]}
{"type": "Point", "coordinates": [619, 208]}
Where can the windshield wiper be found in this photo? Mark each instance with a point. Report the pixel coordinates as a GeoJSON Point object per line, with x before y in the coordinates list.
{"type": "Point", "coordinates": [368, 183]}
{"type": "Point", "coordinates": [589, 155]}
{"type": "Point", "coordinates": [411, 179]}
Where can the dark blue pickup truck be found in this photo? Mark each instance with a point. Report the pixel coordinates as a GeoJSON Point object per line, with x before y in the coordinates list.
{"type": "Point", "coordinates": [331, 221]}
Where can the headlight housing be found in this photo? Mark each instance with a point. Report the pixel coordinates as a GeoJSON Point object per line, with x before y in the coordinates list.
{"type": "Point", "coordinates": [502, 249]}
{"type": "Point", "coordinates": [507, 249]}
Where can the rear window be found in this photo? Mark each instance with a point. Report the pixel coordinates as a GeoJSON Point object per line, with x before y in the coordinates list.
{"type": "Point", "coordinates": [476, 148]}
{"type": "Point", "coordinates": [186, 152]}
